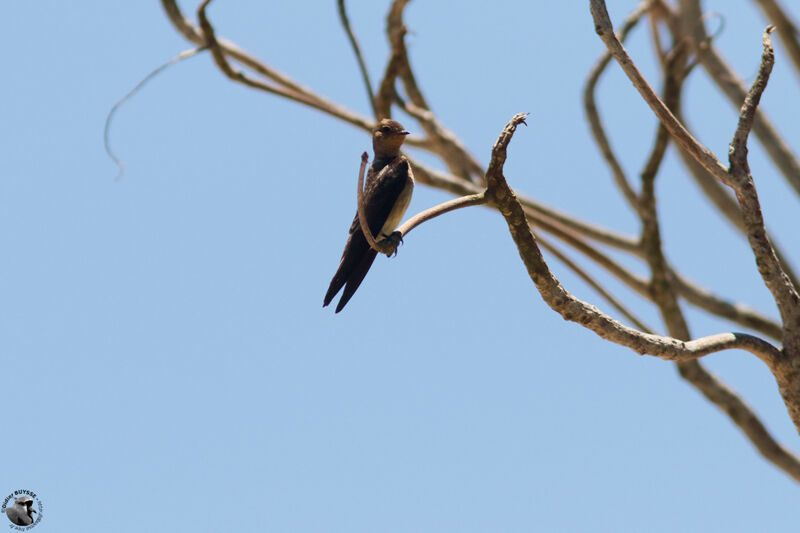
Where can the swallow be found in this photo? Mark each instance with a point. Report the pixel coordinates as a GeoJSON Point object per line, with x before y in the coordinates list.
{"type": "Point", "coordinates": [386, 196]}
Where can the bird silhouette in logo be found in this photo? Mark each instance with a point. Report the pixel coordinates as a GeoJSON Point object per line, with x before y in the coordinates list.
{"type": "Point", "coordinates": [21, 513]}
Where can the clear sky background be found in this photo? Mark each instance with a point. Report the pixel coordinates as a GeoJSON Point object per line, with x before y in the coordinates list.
{"type": "Point", "coordinates": [167, 364]}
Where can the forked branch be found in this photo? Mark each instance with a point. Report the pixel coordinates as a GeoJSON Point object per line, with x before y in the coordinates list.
{"type": "Point", "coordinates": [575, 310]}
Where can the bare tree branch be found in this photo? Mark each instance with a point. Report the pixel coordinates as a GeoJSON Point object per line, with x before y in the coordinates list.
{"type": "Point", "coordinates": [527, 218]}
{"type": "Point", "coordinates": [704, 156]}
{"type": "Point", "coordinates": [769, 267]}
{"type": "Point", "coordinates": [664, 291]}
{"type": "Point", "coordinates": [580, 272]}
{"type": "Point", "coordinates": [742, 415]}
{"type": "Point", "coordinates": [738, 313]}
{"type": "Point", "coordinates": [453, 153]}
{"type": "Point", "coordinates": [729, 83]}
{"type": "Point", "coordinates": [776, 280]}
{"type": "Point", "coordinates": [362, 67]}
{"type": "Point", "coordinates": [560, 300]}
{"type": "Point", "coordinates": [441, 209]}
{"type": "Point", "coordinates": [284, 86]}
{"type": "Point", "coordinates": [106, 141]}
{"type": "Point", "coordinates": [593, 115]}
{"type": "Point", "coordinates": [787, 30]}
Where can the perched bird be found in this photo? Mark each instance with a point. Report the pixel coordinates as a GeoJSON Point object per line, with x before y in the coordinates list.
{"type": "Point", "coordinates": [21, 512]}
{"type": "Point", "coordinates": [386, 196]}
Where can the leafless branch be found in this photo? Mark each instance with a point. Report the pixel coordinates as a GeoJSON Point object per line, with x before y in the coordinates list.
{"type": "Point", "coordinates": [528, 219]}
{"type": "Point", "coordinates": [362, 67]}
{"type": "Point", "coordinates": [742, 415]}
{"type": "Point", "coordinates": [678, 132]}
{"type": "Point", "coordinates": [560, 300]}
{"type": "Point", "coordinates": [593, 115]}
{"type": "Point", "coordinates": [362, 215]}
{"type": "Point", "coordinates": [441, 209]}
{"type": "Point", "coordinates": [776, 280]}
{"type": "Point", "coordinates": [738, 313]}
{"type": "Point", "coordinates": [106, 141]}
{"type": "Point", "coordinates": [387, 246]}
{"type": "Point", "coordinates": [729, 83]}
{"type": "Point", "coordinates": [787, 30]}
{"type": "Point", "coordinates": [589, 280]}
{"type": "Point", "coordinates": [453, 153]}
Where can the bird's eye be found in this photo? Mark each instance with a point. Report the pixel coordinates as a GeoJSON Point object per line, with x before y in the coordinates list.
{"type": "Point", "coordinates": [385, 129]}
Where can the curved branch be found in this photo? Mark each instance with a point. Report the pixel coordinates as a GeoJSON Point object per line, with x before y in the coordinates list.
{"type": "Point", "coordinates": [593, 115]}
{"type": "Point", "coordinates": [742, 415]}
{"type": "Point", "coordinates": [738, 313]}
{"type": "Point", "coordinates": [441, 209]}
{"type": "Point", "coordinates": [573, 309]}
{"type": "Point", "coordinates": [775, 279]}
{"type": "Point", "coordinates": [446, 145]}
{"type": "Point", "coordinates": [681, 136]}
{"type": "Point", "coordinates": [787, 30]}
{"type": "Point", "coordinates": [106, 142]}
{"type": "Point", "coordinates": [380, 247]}
{"type": "Point", "coordinates": [538, 212]}
{"type": "Point", "coordinates": [581, 273]}
{"type": "Point", "coordinates": [282, 85]}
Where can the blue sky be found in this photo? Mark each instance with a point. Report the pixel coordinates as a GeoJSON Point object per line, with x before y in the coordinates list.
{"type": "Point", "coordinates": [167, 365]}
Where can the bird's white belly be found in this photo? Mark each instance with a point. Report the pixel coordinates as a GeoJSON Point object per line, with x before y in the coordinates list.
{"type": "Point", "coordinates": [400, 207]}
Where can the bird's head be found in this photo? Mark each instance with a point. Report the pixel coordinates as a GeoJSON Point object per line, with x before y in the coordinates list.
{"type": "Point", "coordinates": [387, 137]}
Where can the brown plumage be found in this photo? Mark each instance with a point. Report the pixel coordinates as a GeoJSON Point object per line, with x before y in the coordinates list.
{"type": "Point", "coordinates": [387, 192]}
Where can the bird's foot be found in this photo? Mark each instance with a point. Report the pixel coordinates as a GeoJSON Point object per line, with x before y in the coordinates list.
{"type": "Point", "coordinates": [391, 243]}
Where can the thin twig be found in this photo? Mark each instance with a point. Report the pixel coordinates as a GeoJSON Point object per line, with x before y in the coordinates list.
{"type": "Point", "coordinates": [539, 213]}
{"type": "Point", "coordinates": [106, 140]}
{"type": "Point", "coordinates": [702, 154]}
{"type": "Point", "coordinates": [450, 143]}
{"type": "Point", "coordinates": [593, 115]}
{"type": "Point", "coordinates": [721, 197]}
{"type": "Point", "coordinates": [735, 312]}
{"type": "Point", "coordinates": [286, 87]}
{"type": "Point", "coordinates": [742, 415]}
{"type": "Point", "coordinates": [457, 158]}
{"type": "Point", "coordinates": [726, 79]}
{"type": "Point", "coordinates": [441, 209]}
{"type": "Point", "coordinates": [661, 289]}
{"type": "Point", "coordinates": [362, 67]}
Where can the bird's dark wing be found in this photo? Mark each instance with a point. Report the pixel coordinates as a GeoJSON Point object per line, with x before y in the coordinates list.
{"type": "Point", "coordinates": [356, 276]}
{"type": "Point", "coordinates": [355, 250]}
{"type": "Point", "coordinates": [381, 192]}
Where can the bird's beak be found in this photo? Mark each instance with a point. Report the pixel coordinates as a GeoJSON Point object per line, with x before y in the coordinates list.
{"type": "Point", "coordinates": [404, 132]}
{"type": "Point", "coordinates": [33, 510]}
